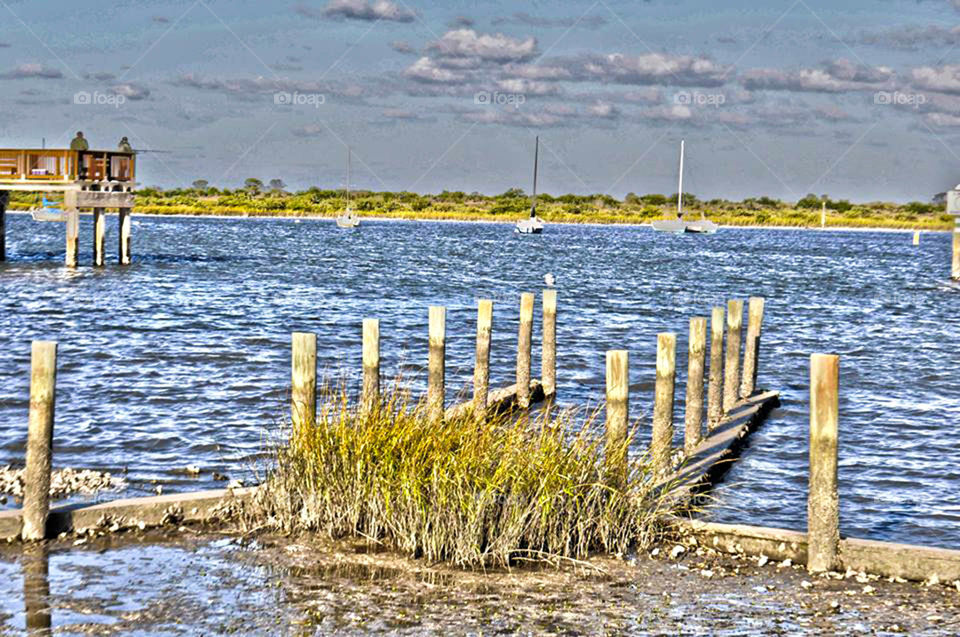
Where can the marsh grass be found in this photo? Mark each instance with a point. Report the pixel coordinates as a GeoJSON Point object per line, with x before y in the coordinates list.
{"type": "Point", "coordinates": [473, 492]}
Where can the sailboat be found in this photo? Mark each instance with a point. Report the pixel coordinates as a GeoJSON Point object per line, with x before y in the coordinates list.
{"type": "Point", "coordinates": [678, 225]}
{"type": "Point", "coordinates": [533, 224]}
{"type": "Point", "coordinates": [49, 212]}
{"type": "Point", "coordinates": [348, 219]}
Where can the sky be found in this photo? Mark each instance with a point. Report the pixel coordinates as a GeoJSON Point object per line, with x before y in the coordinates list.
{"type": "Point", "coordinates": [856, 99]}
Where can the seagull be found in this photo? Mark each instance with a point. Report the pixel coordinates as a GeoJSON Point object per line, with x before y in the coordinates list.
{"type": "Point", "coordinates": [548, 279]}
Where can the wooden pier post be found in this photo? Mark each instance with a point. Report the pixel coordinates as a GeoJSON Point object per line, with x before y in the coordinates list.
{"type": "Point", "coordinates": [823, 503]}
{"type": "Point", "coordinates": [4, 202]}
{"type": "Point", "coordinates": [436, 373]}
{"type": "Point", "coordinates": [99, 232]}
{"type": "Point", "coordinates": [303, 393]}
{"type": "Point", "coordinates": [618, 414]}
{"type": "Point", "coordinates": [715, 393]}
{"type": "Point", "coordinates": [524, 344]}
{"type": "Point", "coordinates": [916, 237]}
{"type": "Point", "coordinates": [481, 369]}
{"type": "Point", "coordinates": [731, 381]}
{"type": "Point", "coordinates": [124, 236]}
{"type": "Point", "coordinates": [752, 350]}
{"type": "Point", "coordinates": [73, 237]}
{"type": "Point", "coordinates": [662, 441]}
{"type": "Point", "coordinates": [955, 270]}
{"type": "Point", "coordinates": [548, 375]}
{"type": "Point", "coordinates": [371, 364]}
{"type": "Point", "coordinates": [694, 413]}
{"type": "Point", "coordinates": [39, 460]}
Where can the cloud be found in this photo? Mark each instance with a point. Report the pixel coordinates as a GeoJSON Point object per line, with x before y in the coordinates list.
{"type": "Point", "coordinates": [402, 47]}
{"type": "Point", "coordinates": [524, 18]}
{"type": "Point", "coordinates": [25, 71]}
{"type": "Point", "coordinates": [467, 44]}
{"type": "Point", "coordinates": [133, 92]}
{"type": "Point", "coordinates": [834, 77]}
{"type": "Point", "coordinates": [403, 115]}
{"type": "Point", "coordinates": [159, 19]}
{"type": "Point", "coordinates": [653, 68]}
{"type": "Point", "coordinates": [602, 109]}
{"type": "Point", "coordinates": [943, 79]}
{"type": "Point", "coordinates": [362, 10]}
{"type": "Point", "coordinates": [247, 87]}
{"type": "Point", "coordinates": [462, 21]}
{"type": "Point", "coordinates": [912, 37]}
{"type": "Point", "coordinates": [942, 120]}
{"type": "Point", "coordinates": [426, 70]}
{"type": "Point", "coordinates": [310, 130]}
{"type": "Point", "coordinates": [100, 76]}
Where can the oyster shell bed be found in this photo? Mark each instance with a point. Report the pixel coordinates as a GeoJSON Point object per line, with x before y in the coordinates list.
{"type": "Point", "coordinates": [63, 482]}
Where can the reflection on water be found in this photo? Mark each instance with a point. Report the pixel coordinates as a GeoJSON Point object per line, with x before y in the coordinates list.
{"type": "Point", "coordinates": [36, 587]}
{"type": "Point", "coordinates": [183, 357]}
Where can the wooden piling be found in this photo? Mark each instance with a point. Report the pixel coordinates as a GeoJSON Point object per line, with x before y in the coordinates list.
{"type": "Point", "coordinates": [916, 237]}
{"type": "Point", "coordinates": [124, 236]}
{"type": "Point", "coordinates": [548, 375]}
{"type": "Point", "coordinates": [524, 344]}
{"type": "Point", "coordinates": [696, 361]}
{"type": "Point", "coordinates": [36, 492]}
{"type": "Point", "coordinates": [618, 414]}
{"type": "Point", "coordinates": [73, 237]}
{"type": "Point", "coordinates": [752, 349]}
{"type": "Point", "coordinates": [715, 393]}
{"type": "Point", "coordinates": [303, 393]}
{"type": "Point", "coordinates": [436, 381]}
{"type": "Point", "coordinates": [731, 380]}
{"type": "Point", "coordinates": [955, 270]}
{"type": "Point", "coordinates": [481, 369]}
{"type": "Point", "coordinates": [823, 504]}
{"type": "Point", "coordinates": [99, 232]}
{"type": "Point", "coordinates": [4, 202]}
{"type": "Point", "coordinates": [661, 445]}
{"type": "Point", "coordinates": [371, 363]}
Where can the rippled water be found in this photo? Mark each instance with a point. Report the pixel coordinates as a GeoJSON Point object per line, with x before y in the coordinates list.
{"type": "Point", "coordinates": [183, 357]}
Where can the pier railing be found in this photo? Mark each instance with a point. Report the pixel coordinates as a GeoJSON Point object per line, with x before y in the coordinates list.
{"type": "Point", "coordinates": [51, 165]}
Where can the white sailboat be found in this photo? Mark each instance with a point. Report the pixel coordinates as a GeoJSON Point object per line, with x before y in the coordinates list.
{"type": "Point", "coordinates": [348, 219]}
{"type": "Point", "coordinates": [678, 225]}
{"type": "Point", "coordinates": [533, 224]}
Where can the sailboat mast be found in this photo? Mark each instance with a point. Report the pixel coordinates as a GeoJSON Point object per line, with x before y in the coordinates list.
{"type": "Point", "coordinates": [348, 177]}
{"type": "Point", "coordinates": [536, 157]}
{"type": "Point", "coordinates": [680, 186]}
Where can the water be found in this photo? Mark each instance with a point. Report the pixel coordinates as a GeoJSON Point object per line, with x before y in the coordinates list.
{"type": "Point", "coordinates": [183, 357]}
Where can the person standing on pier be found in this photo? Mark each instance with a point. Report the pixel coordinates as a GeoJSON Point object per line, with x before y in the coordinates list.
{"type": "Point", "coordinates": [79, 142]}
{"type": "Point", "coordinates": [124, 145]}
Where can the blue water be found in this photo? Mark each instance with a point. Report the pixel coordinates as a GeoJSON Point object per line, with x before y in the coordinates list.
{"type": "Point", "coordinates": [183, 357]}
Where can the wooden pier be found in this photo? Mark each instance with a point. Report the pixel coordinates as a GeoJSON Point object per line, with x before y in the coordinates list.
{"type": "Point", "coordinates": [90, 180]}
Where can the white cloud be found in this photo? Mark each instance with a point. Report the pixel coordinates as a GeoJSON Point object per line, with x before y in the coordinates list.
{"type": "Point", "coordinates": [835, 77]}
{"type": "Point", "coordinates": [368, 11]}
{"type": "Point", "coordinates": [943, 79]}
{"type": "Point", "coordinates": [425, 70]}
{"type": "Point", "coordinates": [25, 71]}
{"type": "Point", "coordinates": [496, 47]}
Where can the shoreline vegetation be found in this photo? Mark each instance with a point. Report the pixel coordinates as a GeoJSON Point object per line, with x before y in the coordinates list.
{"type": "Point", "coordinates": [255, 200]}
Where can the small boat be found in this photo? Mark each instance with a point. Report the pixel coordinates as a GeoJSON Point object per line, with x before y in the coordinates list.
{"type": "Point", "coordinates": [348, 219]}
{"type": "Point", "coordinates": [532, 224]}
{"type": "Point", "coordinates": [49, 212]}
{"type": "Point", "coordinates": [679, 225]}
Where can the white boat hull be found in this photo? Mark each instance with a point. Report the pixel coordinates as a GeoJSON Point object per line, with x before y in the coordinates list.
{"type": "Point", "coordinates": [48, 214]}
{"type": "Point", "coordinates": [533, 225]}
{"type": "Point", "coordinates": [348, 221]}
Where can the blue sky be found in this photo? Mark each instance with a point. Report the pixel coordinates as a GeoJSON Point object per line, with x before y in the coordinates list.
{"type": "Point", "coordinates": [857, 99]}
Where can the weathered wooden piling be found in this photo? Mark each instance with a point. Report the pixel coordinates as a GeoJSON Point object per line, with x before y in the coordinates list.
{"type": "Point", "coordinates": [73, 237]}
{"type": "Point", "coordinates": [524, 344]}
{"type": "Point", "coordinates": [548, 362]}
{"type": "Point", "coordinates": [4, 202]}
{"type": "Point", "coordinates": [99, 233]}
{"type": "Point", "coordinates": [955, 270]}
{"type": "Point", "coordinates": [618, 414]}
{"type": "Point", "coordinates": [823, 504]}
{"type": "Point", "coordinates": [731, 381]}
{"type": "Point", "coordinates": [751, 353]}
{"type": "Point", "coordinates": [436, 372]}
{"type": "Point", "coordinates": [715, 393]}
{"type": "Point", "coordinates": [481, 369]}
{"type": "Point", "coordinates": [36, 492]}
{"type": "Point", "coordinates": [695, 364]}
{"type": "Point", "coordinates": [303, 379]}
{"type": "Point", "coordinates": [124, 236]}
{"type": "Point", "coordinates": [661, 445]}
{"type": "Point", "coordinates": [371, 363]}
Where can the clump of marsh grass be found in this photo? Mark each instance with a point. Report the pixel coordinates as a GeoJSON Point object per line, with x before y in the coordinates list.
{"type": "Point", "coordinates": [473, 491]}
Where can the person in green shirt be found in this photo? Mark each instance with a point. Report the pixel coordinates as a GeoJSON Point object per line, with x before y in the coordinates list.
{"type": "Point", "coordinates": [79, 142]}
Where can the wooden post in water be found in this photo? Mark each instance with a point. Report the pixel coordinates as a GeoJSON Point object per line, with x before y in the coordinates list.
{"type": "Point", "coordinates": [715, 393]}
{"type": "Point", "coordinates": [481, 369]}
{"type": "Point", "coordinates": [823, 503]}
{"type": "Point", "coordinates": [124, 236]}
{"type": "Point", "coordinates": [39, 460]}
{"type": "Point", "coordinates": [436, 372]}
{"type": "Point", "coordinates": [662, 442]}
{"type": "Point", "coordinates": [524, 344]}
{"type": "Point", "coordinates": [4, 201]}
{"type": "Point", "coordinates": [731, 381]}
{"type": "Point", "coordinates": [695, 364]}
{"type": "Point", "coordinates": [73, 237]}
{"type": "Point", "coordinates": [303, 379]}
{"type": "Point", "coordinates": [752, 350]}
{"type": "Point", "coordinates": [618, 414]}
{"type": "Point", "coordinates": [548, 362]}
{"type": "Point", "coordinates": [371, 364]}
{"type": "Point", "coordinates": [916, 237]}
{"type": "Point", "coordinates": [99, 232]}
{"type": "Point", "coordinates": [955, 270]}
